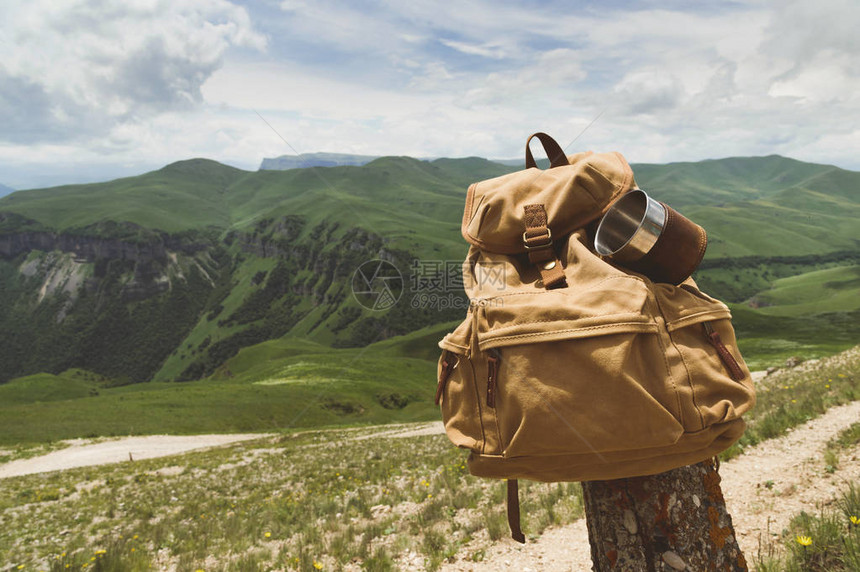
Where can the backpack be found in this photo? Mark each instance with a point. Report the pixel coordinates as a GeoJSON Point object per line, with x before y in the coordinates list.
{"type": "Point", "coordinates": [569, 367]}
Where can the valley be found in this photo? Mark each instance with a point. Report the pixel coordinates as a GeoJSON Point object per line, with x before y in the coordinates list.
{"type": "Point", "coordinates": [238, 284]}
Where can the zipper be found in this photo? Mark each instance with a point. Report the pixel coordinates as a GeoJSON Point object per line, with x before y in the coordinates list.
{"type": "Point", "coordinates": [492, 376]}
{"type": "Point", "coordinates": [726, 356]}
{"type": "Point", "coordinates": [449, 362]}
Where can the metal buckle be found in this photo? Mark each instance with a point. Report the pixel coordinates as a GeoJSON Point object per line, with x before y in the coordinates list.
{"type": "Point", "coordinates": [544, 245]}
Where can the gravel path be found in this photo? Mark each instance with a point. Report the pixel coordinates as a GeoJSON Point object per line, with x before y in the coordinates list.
{"type": "Point", "coordinates": [83, 452]}
{"type": "Point", "coordinates": [794, 463]}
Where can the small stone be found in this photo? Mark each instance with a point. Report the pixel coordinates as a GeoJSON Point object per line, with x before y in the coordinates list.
{"type": "Point", "coordinates": [674, 560]}
{"type": "Point", "coordinates": [630, 521]}
{"type": "Point", "coordinates": [696, 501]}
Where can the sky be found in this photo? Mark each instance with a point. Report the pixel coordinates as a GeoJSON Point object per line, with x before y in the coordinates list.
{"type": "Point", "coordinates": [97, 89]}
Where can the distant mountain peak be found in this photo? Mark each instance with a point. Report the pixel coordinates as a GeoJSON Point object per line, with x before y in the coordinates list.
{"type": "Point", "coordinates": [287, 162]}
{"type": "Point", "coordinates": [196, 164]}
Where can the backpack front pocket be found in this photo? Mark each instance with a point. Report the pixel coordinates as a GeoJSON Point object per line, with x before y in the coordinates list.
{"type": "Point", "coordinates": [570, 383]}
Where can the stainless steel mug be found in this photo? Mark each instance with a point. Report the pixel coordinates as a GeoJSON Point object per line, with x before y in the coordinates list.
{"type": "Point", "coordinates": [651, 238]}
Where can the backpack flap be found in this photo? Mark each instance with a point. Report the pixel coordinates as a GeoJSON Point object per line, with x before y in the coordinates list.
{"type": "Point", "coordinates": [572, 196]}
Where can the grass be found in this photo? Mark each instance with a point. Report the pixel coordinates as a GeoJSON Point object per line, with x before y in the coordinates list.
{"type": "Point", "coordinates": [846, 438]}
{"type": "Point", "coordinates": [768, 341]}
{"type": "Point", "coordinates": [826, 542]}
{"type": "Point", "coordinates": [46, 387]}
{"type": "Point", "coordinates": [830, 290]}
{"type": "Point", "coordinates": [793, 397]}
{"type": "Point", "coordinates": [331, 388]}
{"type": "Point", "coordinates": [275, 385]}
{"type": "Point", "coordinates": [290, 502]}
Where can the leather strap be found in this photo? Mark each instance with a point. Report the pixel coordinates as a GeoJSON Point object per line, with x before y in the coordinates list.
{"type": "Point", "coordinates": [537, 239]}
{"type": "Point", "coordinates": [554, 152]}
{"type": "Point", "coordinates": [449, 362]}
{"type": "Point", "coordinates": [514, 511]}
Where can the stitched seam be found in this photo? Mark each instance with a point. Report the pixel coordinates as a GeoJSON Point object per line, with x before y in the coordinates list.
{"type": "Point", "coordinates": [650, 330]}
{"type": "Point", "coordinates": [561, 293]}
{"type": "Point", "coordinates": [669, 374]}
{"type": "Point", "coordinates": [695, 318]}
{"type": "Point", "coordinates": [584, 318]}
{"type": "Point", "coordinates": [683, 361]}
{"type": "Point", "coordinates": [478, 401]}
{"type": "Point", "coordinates": [458, 346]}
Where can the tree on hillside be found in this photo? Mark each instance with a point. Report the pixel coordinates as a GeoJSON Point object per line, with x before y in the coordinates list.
{"type": "Point", "coordinates": [675, 520]}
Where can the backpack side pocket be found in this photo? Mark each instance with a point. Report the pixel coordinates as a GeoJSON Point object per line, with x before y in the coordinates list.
{"type": "Point", "coordinates": [461, 393]}
{"type": "Point", "coordinates": [715, 385]}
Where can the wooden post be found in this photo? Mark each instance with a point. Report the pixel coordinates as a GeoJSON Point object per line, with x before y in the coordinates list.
{"type": "Point", "coordinates": [675, 520]}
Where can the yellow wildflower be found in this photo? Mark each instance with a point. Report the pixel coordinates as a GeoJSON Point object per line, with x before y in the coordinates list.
{"type": "Point", "coordinates": [804, 540]}
{"type": "Point", "coordinates": [268, 535]}
{"type": "Point", "coordinates": [827, 386]}
{"type": "Point", "coordinates": [100, 552]}
{"type": "Point", "coordinates": [794, 401]}
{"type": "Point", "coordinates": [855, 520]}
{"type": "Point", "coordinates": [317, 565]}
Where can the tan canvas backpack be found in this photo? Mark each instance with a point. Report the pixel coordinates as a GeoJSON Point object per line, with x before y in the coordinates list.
{"type": "Point", "coordinates": [569, 367]}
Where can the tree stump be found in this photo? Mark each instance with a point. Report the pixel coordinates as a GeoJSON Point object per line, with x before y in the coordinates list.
{"type": "Point", "coordinates": [675, 520]}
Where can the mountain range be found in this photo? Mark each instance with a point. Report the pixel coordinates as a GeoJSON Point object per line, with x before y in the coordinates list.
{"type": "Point", "coordinates": [286, 162]}
{"type": "Point", "coordinates": [4, 190]}
{"type": "Point", "coordinates": [168, 275]}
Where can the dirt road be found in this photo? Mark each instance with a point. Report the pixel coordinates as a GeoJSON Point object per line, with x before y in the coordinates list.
{"type": "Point", "coordinates": [85, 452]}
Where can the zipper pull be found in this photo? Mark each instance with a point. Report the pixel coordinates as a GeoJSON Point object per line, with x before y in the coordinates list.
{"type": "Point", "coordinates": [448, 365]}
{"type": "Point", "coordinates": [492, 377]}
{"type": "Point", "coordinates": [726, 356]}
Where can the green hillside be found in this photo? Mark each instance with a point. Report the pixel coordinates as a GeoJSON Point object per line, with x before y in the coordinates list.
{"type": "Point", "coordinates": [762, 206]}
{"type": "Point", "coordinates": [272, 386]}
{"type": "Point", "coordinates": [200, 271]}
{"type": "Point", "coordinates": [830, 290]}
{"type": "Point", "coordinates": [722, 181]}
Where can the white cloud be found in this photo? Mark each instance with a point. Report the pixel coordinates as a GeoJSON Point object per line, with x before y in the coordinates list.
{"type": "Point", "coordinates": [80, 68]}
{"type": "Point", "coordinates": [488, 50]}
{"type": "Point", "coordinates": [170, 80]}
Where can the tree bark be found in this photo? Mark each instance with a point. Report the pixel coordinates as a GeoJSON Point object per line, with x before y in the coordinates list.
{"type": "Point", "coordinates": [676, 520]}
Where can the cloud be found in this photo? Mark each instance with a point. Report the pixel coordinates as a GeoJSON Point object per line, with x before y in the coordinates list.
{"type": "Point", "coordinates": [670, 81]}
{"type": "Point", "coordinates": [648, 91]}
{"type": "Point", "coordinates": [80, 68]}
{"type": "Point", "coordinates": [487, 50]}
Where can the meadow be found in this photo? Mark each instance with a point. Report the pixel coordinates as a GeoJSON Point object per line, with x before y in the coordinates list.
{"type": "Point", "coordinates": [337, 499]}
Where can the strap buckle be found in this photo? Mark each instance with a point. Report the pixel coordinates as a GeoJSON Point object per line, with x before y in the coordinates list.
{"type": "Point", "coordinates": [546, 240]}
